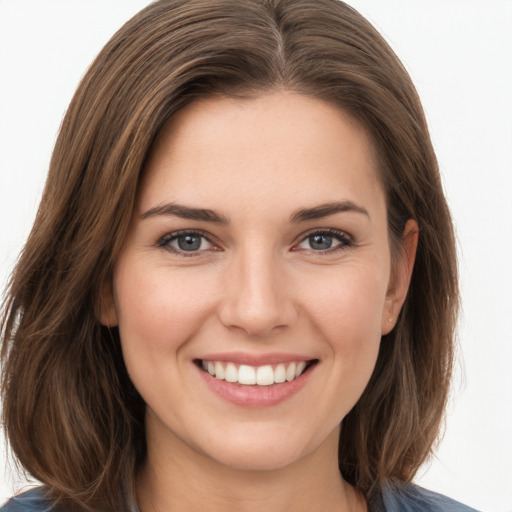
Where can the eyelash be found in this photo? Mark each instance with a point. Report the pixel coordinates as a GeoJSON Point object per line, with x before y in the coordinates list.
{"type": "Point", "coordinates": [340, 236]}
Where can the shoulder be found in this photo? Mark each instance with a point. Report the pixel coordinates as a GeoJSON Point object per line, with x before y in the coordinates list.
{"type": "Point", "coordinates": [406, 497]}
{"type": "Point", "coordinates": [30, 501]}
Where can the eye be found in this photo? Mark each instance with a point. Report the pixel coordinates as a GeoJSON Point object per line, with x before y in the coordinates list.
{"type": "Point", "coordinates": [325, 241]}
{"type": "Point", "coordinates": [186, 242]}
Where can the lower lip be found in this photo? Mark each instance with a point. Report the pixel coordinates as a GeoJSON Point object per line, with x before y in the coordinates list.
{"type": "Point", "coordinates": [255, 396]}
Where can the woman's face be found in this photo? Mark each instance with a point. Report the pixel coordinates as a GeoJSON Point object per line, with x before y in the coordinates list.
{"type": "Point", "coordinates": [255, 282]}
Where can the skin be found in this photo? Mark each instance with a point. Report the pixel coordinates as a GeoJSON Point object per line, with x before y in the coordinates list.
{"type": "Point", "coordinates": [255, 286]}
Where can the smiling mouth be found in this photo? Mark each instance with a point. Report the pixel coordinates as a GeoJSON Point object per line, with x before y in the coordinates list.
{"type": "Point", "coordinates": [246, 375]}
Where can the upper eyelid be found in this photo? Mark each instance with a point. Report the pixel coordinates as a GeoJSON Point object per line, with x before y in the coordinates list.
{"type": "Point", "coordinates": [180, 232]}
{"type": "Point", "coordinates": [327, 231]}
{"type": "Point", "coordinates": [172, 235]}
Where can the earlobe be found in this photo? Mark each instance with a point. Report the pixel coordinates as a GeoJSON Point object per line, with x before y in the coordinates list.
{"type": "Point", "coordinates": [107, 307]}
{"type": "Point", "coordinates": [401, 276]}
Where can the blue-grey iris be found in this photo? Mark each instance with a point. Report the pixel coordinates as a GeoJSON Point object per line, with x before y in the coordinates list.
{"type": "Point", "coordinates": [189, 242]}
{"type": "Point", "coordinates": [320, 242]}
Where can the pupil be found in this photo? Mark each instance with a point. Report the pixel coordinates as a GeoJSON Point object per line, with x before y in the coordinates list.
{"type": "Point", "coordinates": [189, 242]}
{"type": "Point", "coordinates": [321, 242]}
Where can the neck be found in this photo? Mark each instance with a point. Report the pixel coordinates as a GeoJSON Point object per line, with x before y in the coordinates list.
{"type": "Point", "coordinates": [184, 480]}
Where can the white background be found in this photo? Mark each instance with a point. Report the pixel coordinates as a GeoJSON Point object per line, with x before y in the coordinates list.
{"type": "Point", "coordinates": [459, 54]}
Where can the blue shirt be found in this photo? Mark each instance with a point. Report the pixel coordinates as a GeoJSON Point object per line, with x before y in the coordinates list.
{"type": "Point", "coordinates": [394, 498]}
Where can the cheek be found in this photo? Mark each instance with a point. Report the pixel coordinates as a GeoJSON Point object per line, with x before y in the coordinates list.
{"type": "Point", "coordinates": [348, 314]}
{"type": "Point", "coordinates": [353, 302]}
{"type": "Point", "coordinates": [159, 308]}
{"type": "Point", "coordinates": [344, 310]}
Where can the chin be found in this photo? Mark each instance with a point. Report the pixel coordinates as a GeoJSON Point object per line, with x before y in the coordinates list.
{"type": "Point", "coordinates": [269, 449]}
{"type": "Point", "coordinates": [257, 458]}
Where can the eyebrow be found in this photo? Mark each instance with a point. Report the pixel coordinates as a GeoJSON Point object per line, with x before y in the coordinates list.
{"type": "Point", "coordinates": [206, 215]}
{"type": "Point", "coordinates": [185, 212]}
{"type": "Point", "coordinates": [324, 210]}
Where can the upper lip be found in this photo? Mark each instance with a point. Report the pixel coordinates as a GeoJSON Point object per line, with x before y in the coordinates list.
{"type": "Point", "coordinates": [255, 359]}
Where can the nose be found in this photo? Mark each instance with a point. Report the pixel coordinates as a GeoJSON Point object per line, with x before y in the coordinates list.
{"type": "Point", "coordinates": [258, 297]}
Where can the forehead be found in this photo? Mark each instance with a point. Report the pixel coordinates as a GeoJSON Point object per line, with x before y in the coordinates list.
{"type": "Point", "coordinates": [276, 146]}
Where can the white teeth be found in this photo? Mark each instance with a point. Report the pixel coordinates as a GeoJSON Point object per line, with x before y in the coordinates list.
{"type": "Point", "coordinates": [280, 374]}
{"type": "Point", "coordinates": [219, 371]}
{"type": "Point", "coordinates": [265, 376]}
{"type": "Point", "coordinates": [290, 372]}
{"type": "Point", "coordinates": [298, 370]}
{"type": "Point", "coordinates": [246, 375]}
{"type": "Point", "coordinates": [250, 375]}
{"type": "Point", "coordinates": [231, 374]}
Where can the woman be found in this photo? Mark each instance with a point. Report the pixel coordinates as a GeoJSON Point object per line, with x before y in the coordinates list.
{"type": "Point", "coordinates": [240, 289]}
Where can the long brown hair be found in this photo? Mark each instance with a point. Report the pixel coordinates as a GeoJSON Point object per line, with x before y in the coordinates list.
{"type": "Point", "coordinates": [71, 414]}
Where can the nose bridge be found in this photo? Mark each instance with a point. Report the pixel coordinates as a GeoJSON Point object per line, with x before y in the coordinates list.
{"type": "Point", "coordinates": [257, 298]}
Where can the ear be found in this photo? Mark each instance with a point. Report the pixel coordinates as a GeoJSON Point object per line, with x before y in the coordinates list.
{"type": "Point", "coordinates": [400, 276]}
{"type": "Point", "coordinates": [107, 309]}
